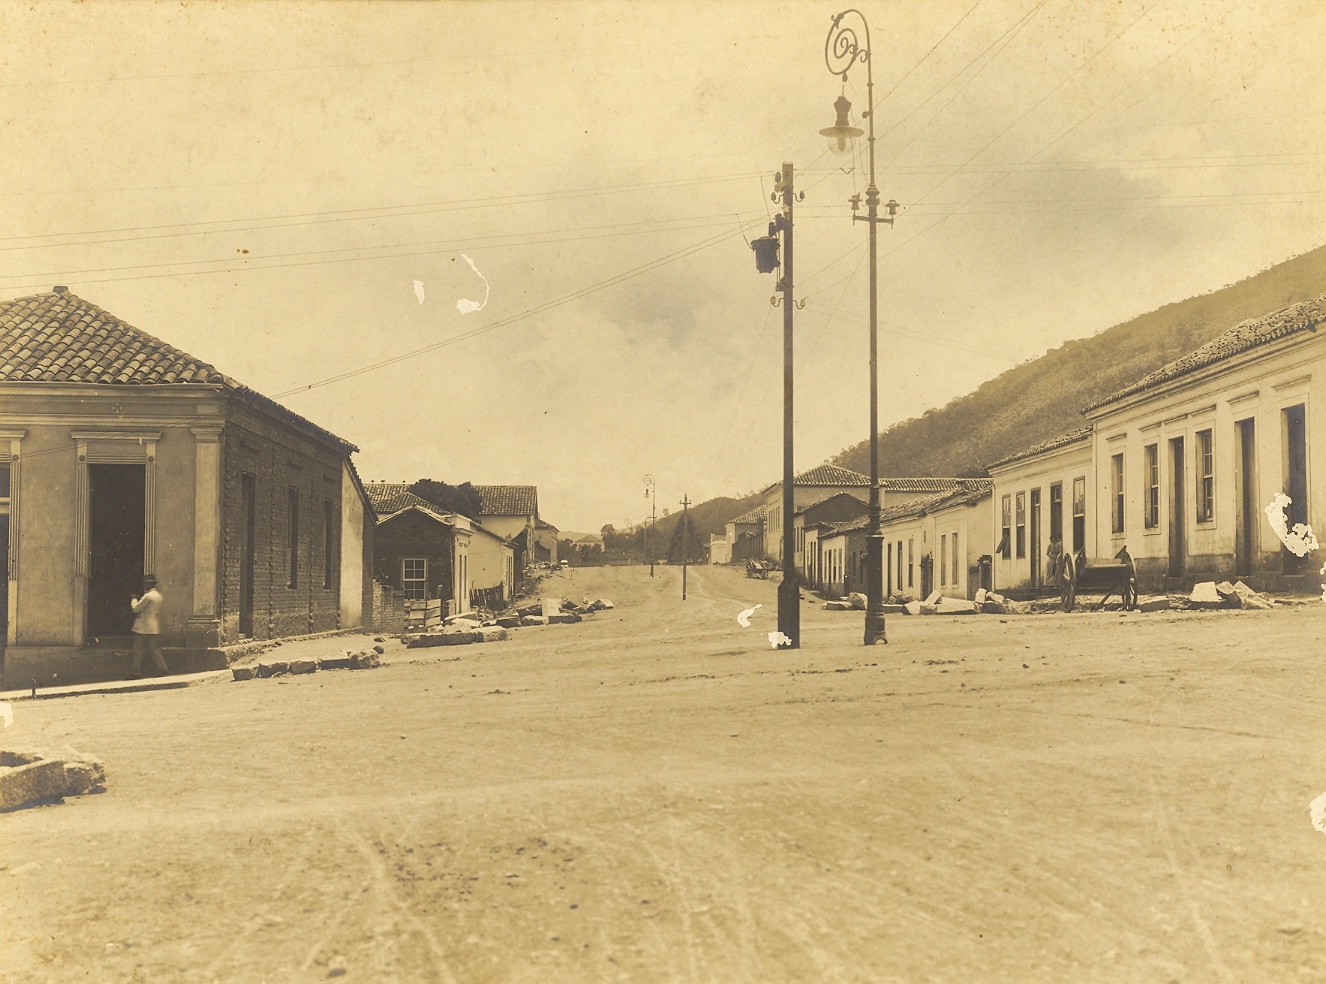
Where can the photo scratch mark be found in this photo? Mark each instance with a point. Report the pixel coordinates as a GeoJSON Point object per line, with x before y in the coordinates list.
{"type": "Point", "coordinates": [744, 618]}
{"type": "Point", "coordinates": [466, 306]}
{"type": "Point", "coordinates": [1317, 811]}
{"type": "Point", "coordinates": [7, 713]}
{"type": "Point", "coordinates": [777, 640]}
{"type": "Point", "coordinates": [419, 290]}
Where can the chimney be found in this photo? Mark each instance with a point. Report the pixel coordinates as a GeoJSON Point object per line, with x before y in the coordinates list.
{"type": "Point", "coordinates": [60, 289]}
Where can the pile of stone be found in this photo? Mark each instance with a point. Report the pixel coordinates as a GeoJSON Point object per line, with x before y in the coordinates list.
{"type": "Point", "coordinates": [363, 660]}
{"type": "Point", "coordinates": [1210, 595]}
{"type": "Point", "coordinates": [27, 778]}
{"type": "Point", "coordinates": [553, 611]}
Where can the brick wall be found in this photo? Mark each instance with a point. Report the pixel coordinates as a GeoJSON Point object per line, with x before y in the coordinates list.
{"type": "Point", "coordinates": [412, 534]}
{"type": "Point", "coordinates": [280, 457]}
{"type": "Point", "coordinates": [388, 608]}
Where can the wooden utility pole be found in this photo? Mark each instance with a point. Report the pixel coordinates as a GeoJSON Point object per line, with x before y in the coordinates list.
{"type": "Point", "coordinates": [685, 505]}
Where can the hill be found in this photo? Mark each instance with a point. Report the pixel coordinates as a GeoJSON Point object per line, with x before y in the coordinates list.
{"type": "Point", "coordinates": [1040, 399]}
{"type": "Point", "coordinates": [707, 517]}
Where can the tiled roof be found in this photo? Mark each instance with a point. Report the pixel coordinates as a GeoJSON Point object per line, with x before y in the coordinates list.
{"type": "Point", "coordinates": [543, 524]}
{"type": "Point", "coordinates": [61, 338]}
{"type": "Point", "coordinates": [1304, 316]}
{"type": "Point", "coordinates": [831, 475]}
{"type": "Point", "coordinates": [508, 500]}
{"type": "Point", "coordinates": [1053, 444]}
{"type": "Point", "coordinates": [391, 497]}
{"type": "Point", "coordinates": [756, 515]}
{"type": "Point", "coordinates": [973, 490]}
{"type": "Point", "coordinates": [922, 483]}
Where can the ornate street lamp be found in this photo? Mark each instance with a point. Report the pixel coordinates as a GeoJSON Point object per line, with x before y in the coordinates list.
{"type": "Point", "coordinates": [843, 48]}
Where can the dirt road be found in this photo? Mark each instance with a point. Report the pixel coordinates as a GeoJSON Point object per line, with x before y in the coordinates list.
{"type": "Point", "coordinates": [654, 795]}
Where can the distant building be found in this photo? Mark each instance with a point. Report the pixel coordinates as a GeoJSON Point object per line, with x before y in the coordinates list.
{"type": "Point", "coordinates": [744, 537]}
{"type": "Point", "coordinates": [512, 511]}
{"type": "Point", "coordinates": [1044, 494]}
{"type": "Point", "coordinates": [121, 455]}
{"type": "Point", "coordinates": [429, 553]}
{"type": "Point", "coordinates": [839, 508]}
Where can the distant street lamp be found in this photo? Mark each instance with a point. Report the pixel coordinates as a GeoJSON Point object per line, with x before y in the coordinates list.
{"type": "Point", "coordinates": [842, 50]}
{"type": "Point", "coordinates": [650, 490]}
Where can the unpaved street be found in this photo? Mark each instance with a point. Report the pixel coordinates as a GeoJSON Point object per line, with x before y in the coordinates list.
{"type": "Point", "coordinates": [654, 795]}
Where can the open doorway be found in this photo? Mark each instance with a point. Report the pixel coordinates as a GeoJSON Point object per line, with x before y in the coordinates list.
{"type": "Point", "coordinates": [1295, 455]}
{"type": "Point", "coordinates": [1245, 497]}
{"type": "Point", "coordinates": [1177, 540]}
{"type": "Point", "coordinates": [116, 527]}
{"type": "Point", "coordinates": [1035, 538]}
{"type": "Point", "coordinates": [248, 506]}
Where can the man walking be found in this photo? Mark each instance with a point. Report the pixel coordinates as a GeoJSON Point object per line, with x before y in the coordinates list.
{"type": "Point", "coordinates": [147, 627]}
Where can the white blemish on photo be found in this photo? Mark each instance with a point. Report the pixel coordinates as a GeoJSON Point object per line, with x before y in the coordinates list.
{"type": "Point", "coordinates": [7, 714]}
{"type": "Point", "coordinates": [744, 618]}
{"type": "Point", "coordinates": [1299, 540]}
{"type": "Point", "coordinates": [465, 306]}
{"type": "Point", "coordinates": [777, 640]}
{"type": "Point", "coordinates": [1317, 811]}
{"type": "Point", "coordinates": [419, 290]}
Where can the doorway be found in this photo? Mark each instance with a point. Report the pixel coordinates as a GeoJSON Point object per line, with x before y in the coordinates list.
{"type": "Point", "coordinates": [247, 509]}
{"type": "Point", "coordinates": [1177, 542]}
{"type": "Point", "coordinates": [1296, 478]}
{"type": "Point", "coordinates": [1035, 538]}
{"type": "Point", "coordinates": [1245, 495]}
{"type": "Point", "coordinates": [116, 531]}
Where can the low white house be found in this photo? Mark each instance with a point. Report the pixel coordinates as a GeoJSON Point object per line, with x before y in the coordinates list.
{"type": "Point", "coordinates": [1043, 494]}
{"type": "Point", "coordinates": [1188, 458]}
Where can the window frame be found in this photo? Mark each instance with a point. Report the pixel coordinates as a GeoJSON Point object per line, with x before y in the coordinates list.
{"type": "Point", "coordinates": [1020, 524]}
{"type": "Point", "coordinates": [1006, 518]}
{"type": "Point", "coordinates": [292, 536]}
{"type": "Point", "coordinates": [1151, 507]}
{"type": "Point", "coordinates": [1079, 486]}
{"type": "Point", "coordinates": [1117, 496]}
{"type": "Point", "coordinates": [421, 580]}
{"type": "Point", "coordinates": [1204, 486]}
{"type": "Point", "coordinates": [943, 560]}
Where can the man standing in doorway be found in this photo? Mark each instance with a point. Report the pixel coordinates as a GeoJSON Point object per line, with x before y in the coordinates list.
{"type": "Point", "coordinates": [147, 627]}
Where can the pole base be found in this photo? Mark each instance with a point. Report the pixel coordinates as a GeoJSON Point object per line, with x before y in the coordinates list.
{"type": "Point", "coordinates": [789, 612]}
{"type": "Point", "coordinates": [875, 629]}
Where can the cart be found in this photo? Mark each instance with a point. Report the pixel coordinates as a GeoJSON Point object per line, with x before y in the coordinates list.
{"type": "Point", "coordinates": [757, 569]}
{"type": "Point", "coordinates": [1074, 575]}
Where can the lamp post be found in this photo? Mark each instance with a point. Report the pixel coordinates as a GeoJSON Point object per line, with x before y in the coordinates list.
{"type": "Point", "coordinates": [766, 259]}
{"type": "Point", "coordinates": [650, 490]}
{"type": "Point", "coordinates": [843, 49]}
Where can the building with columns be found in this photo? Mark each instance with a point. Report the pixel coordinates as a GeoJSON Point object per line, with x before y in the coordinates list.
{"type": "Point", "coordinates": [120, 455]}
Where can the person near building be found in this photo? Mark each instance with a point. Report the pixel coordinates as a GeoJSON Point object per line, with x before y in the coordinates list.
{"type": "Point", "coordinates": [147, 628]}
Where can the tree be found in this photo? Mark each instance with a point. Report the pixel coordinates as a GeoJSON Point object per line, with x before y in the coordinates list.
{"type": "Point", "coordinates": [606, 531]}
{"type": "Point", "coordinates": [463, 498]}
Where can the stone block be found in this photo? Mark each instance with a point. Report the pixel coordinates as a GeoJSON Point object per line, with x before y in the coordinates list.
{"type": "Point", "coordinates": [1155, 604]}
{"type": "Point", "coordinates": [1204, 595]}
{"type": "Point", "coordinates": [857, 601]}
{"type": "Point", "coordinates": [243, 672]}
{"type": "Point", "coordinates": [84, 775]}
{"type": "Point", "coordinates": [893, 609]}
{"type": "Point", "coordinates": [43, 779]}
{"type": "Point", "coordinates": [509, 621]}
{"type": "Point", "coordinates": [551, 606]}
{"type": "Point", "coordinates": [493, 634]}
{"type": "Point", "coordinates": [335, 662]}
{"type": "Point", "coordinates": [564, 618]}
{"type": "Point", "coordinates": [601, 604]}
{"type": "Point", "coordinates": [929, 609]}
{"type": "Point", "coordinates": [992, 607]}
{"type": "Point", "coordinates": [533, 620]}
{"type": "Point", "coordinates": [980, 597]}
{"type": "Point", "coordinates": [379, 650]}
{"type": "Point", "coordinates": [837, 606]}
{"type": "Point", "coordinates": [447, 638]}
{"type": "Point", "coordinates": [365, 661]}
{"type": "Point", "coordinates": [274, 668]}
{"type": "Point", "coordinates": [933, 598]}
{"type": "Point", "coordinates": [912, 607]}
{"type": "Point", "coordinates": [303, 665]}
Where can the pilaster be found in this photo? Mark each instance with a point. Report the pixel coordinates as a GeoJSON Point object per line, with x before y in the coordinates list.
{"type": "Point", "coordinates": [204, 627]}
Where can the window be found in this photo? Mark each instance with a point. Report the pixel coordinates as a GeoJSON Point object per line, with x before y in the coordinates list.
{"type": "Point", "coordinates": [956, 565]}
{"type": "Point", "coordinates": [1006, 511]}
{"type": "Point", "coordinates": [899, 565]}
{"type": "Point", "coordinates": [1079, 514]}
{"type": "Point", "coordinates": [1151, 508]}
{"type": "Point", "coordinates": [330, 541]}
{"type": "Point", "coordinates": [943, 560]}
{"type": "Point", "coordinates": [1205, 478]}
{"type": "Point", "coordinates": [292, 534]}
{"type": "Point", "coordinates": [910, 567]}
{"type": "Point", "coordinates": [414, 578]}
{"type": "Point", "coordinates": [1022, 524]}
{"type": "Point", "coordinates": [1116, 493]}
{"type": "Point", "coordinates": [1057, 512]}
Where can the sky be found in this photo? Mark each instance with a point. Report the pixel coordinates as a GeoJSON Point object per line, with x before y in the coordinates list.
{"type": "Point", "coordinates": [507, 242]}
